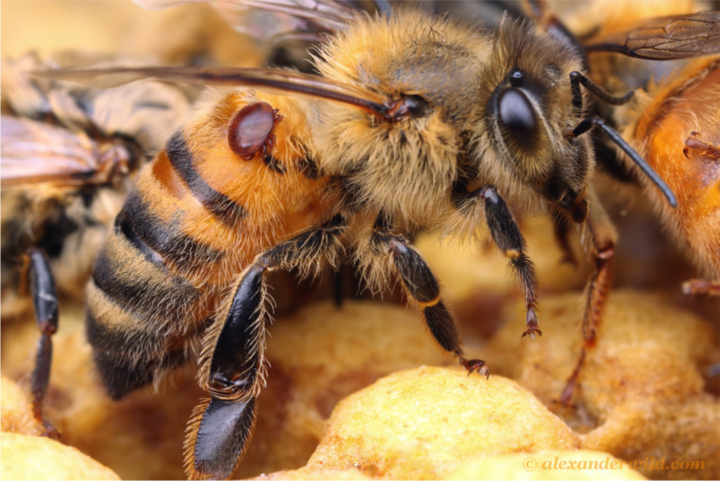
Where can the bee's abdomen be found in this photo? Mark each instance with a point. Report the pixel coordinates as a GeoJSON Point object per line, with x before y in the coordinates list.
{"type": "Point", "coordinates": [149, 289]}
{"type": "Point", "coordinates": [139, 312]}
{"type": "Point", "coordinates": [162, 241]}
{"type": "Point", "coordinates": [197, 218]}
{"type": "Point", "coordinates": [145, 300]}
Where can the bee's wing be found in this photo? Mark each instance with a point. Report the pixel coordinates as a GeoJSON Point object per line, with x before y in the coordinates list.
{"type": "Point", "coordinates": [35, 152]}
{"type": "Point", "coordinates": [266, 79]}
{"type": "Point", "coordinates": [273, 18]}
{"type": "Point", "coordinates": [665, 38]}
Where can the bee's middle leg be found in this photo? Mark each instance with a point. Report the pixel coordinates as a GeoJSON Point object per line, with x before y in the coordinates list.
{"type": "Point", "coordinates": [422, 287]}
{"type": "Point", "coordinates": [507, 236]}
{"type": "Point", "coordinates": [232, 361]}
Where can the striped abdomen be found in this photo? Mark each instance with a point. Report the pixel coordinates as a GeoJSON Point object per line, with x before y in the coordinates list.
{"type": "Point", "coordinates": [198, 217]}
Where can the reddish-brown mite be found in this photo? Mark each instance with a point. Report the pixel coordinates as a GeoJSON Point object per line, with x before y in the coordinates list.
{"type": "Point", "coordinates": [252, 130]}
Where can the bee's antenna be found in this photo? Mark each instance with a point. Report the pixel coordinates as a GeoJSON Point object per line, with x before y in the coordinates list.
{"type": "Point", "coordinates": [590, 122]}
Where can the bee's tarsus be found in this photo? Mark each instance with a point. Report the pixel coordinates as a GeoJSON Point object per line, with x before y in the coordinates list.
{"type": "Point", "coordinates": [571, 382]}
{"type": "Point", "coordinates": [421, 286]}
{"type": "Point", "coordinates": [475, 365]}
{"type": "Point", "coordinates": [235, 352]}
{"type": "Point", "coordinates": [531, 322]}
{"type": "Point", "coordinates": [603, 238]}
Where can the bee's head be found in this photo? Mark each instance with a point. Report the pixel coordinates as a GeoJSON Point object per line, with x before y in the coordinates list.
{"type": "Point", "coordinates": [528, 112]}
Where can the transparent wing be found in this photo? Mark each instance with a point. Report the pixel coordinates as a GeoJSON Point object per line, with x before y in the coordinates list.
{"type": "Point", "coordinates": [266, 79]}
{"type": "Point", "coordinates": [274, 18]}
{"type": "Point", "coordinates": [665, 38]}
{"type": "Point", "coordinates": [36, 152]}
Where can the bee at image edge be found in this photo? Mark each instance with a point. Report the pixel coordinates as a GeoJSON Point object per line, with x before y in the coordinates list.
{"type": "Point", "coordinates": [68, 154]}
{"type": "Point", "coordinates": [675, 125]}
{"type": "Point", "coordinates": [377, 147]}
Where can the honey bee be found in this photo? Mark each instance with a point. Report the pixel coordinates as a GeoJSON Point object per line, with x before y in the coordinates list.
{"type": "Point", "coordinates": [663, 124]}
{"type": "Point", "coordinates": [68, 155]}
{"type": "Point", "coordinates": [415, 122]}
{"type": "Point", "coordinates": [629, 28]}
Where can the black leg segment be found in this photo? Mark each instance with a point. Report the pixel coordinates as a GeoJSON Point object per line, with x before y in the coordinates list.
{"type": "Point", "coordinates": [36, 270]}
{"type": "Point", "coordinates": [421, 286]}
{"type": "Point", "coordinates": [219, 432]}
{"type": "Point", "coordinates": [507, 236]}
{"type": "Point", "coordinates": [562, 236]}
{"type": "Point", "coordinates": [232, 358]}
{"type": "Point", "coordinates": [233, 368]}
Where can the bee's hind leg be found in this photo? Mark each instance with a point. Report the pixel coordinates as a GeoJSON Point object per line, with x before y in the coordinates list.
{"type": "Point", "coordinates": [232, 361]}
{"type": "Point", "coordinates": [36, 272]}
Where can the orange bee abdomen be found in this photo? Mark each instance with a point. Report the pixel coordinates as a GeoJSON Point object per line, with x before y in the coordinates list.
{"type": "Point", "coordinates": [679, 135]}
{"type": "Point", "coordinates": [199, 215]}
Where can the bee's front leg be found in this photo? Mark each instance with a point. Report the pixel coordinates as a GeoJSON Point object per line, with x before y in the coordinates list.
{"type": "Point", "coordinates": [422, 287]}
{"type": "Point", "coordinates": [603, 238]}
{"type": "Point", "coordinates": [36, 272]}
{"type": "Point", "coordinates": [232, 362]}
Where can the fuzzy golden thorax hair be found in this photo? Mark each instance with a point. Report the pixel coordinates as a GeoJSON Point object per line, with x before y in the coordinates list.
{"type": "Point", "coordinates": [408, 169]}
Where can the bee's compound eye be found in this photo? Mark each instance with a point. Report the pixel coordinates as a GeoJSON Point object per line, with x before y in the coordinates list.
{"type": "Point", "coordinates": [250, 129]}
{"type": "Point", "coordinates": [516, 113]}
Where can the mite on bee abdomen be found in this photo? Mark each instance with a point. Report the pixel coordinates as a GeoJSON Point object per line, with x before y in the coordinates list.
{"type": "Point", "coordinates": [199, 215]}
{"type": "Point", "coordinates": [415, 122]}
